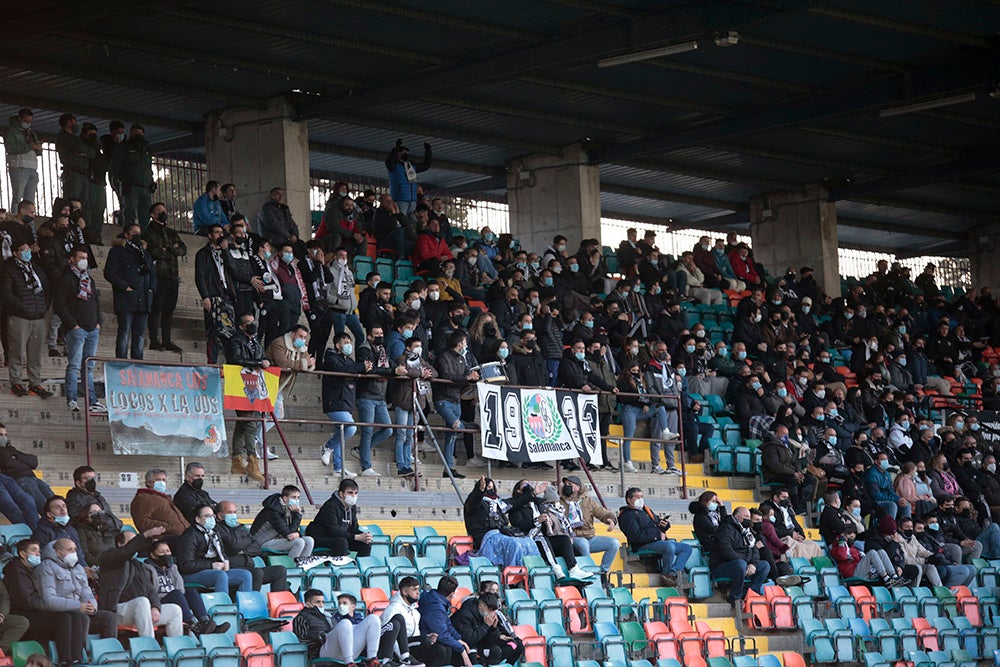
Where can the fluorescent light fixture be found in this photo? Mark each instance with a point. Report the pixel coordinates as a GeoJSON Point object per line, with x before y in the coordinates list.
{"type": "Point", "coordinates": [729, 38]}
{"type": "Point", "coordinates": [639, 56]}
{"type": "Point", "coordinates": [927, 104]}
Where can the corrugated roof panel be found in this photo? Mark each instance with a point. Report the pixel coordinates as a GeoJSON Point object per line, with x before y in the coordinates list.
{"type": "Point", "coordinates": [759, 61]}
{"type": "Point", "coordinates": [749, 166]}
{"type": "Point", "coordinates": [676, 183]}
{"type": "Point", "coordinates": [823, 144]}
{"type": "Point", "coordinates": [962, 16]}
{"type": "Point", "coordinates": [945, 195]}
{"type": "Point", "coordinates": [652, 208]}
{"type": "Point", "coordinates": [902, 216]}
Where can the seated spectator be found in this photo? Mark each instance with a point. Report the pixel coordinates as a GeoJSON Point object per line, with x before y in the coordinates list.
{"type": "Point", "coordinates": [708, 513]}
{"type": "Point", "coordinates": [787, 527]}
{"type": "Point", "coordinates": [152, 506]}
{"type": "Point", "coordinates": [888, 539]}
{"type": "Point", "coordinates": [344, 636]}
{"type": "Point", "coordinates": [835, 520]}
{"type": "Point", "coordinates": [171, 590]}
{"type": "Point", "coordinates": [478, 623]}
{"type": "Point", "coordinates": [488, 522]}
{"type": "Point", "coordinates": [97, 531]}
{"type": "Point", "coordinates": [127, 590]}
{"type": "Point", "coordinates": [915, 554]}
{"type": "Point", "coordinates": [581, 511]}
{"type": "Point", "coordinates": [878, 483]}
{"type": "Point", "coordinates": [435, 605]}
{"type": "Point", "coordinates": [241, 548]}
{"type": "Point", "coordinates": [54, 525]}
{"type": "Point", "coordinates": [202, 559]}
{"type": "Point", "coordinates": [403, 617]}
{"type": "Point", "coordinates": [906, 486]}
{"type": "Point", "coordinates": [781, 464]}
{"type": "Point", "coordinates": [432, 250]}
{"type": "Point", "coordinates": [192, 493]}
{"type": "Point", "coordinates": [21, 467]}
{"type": "Point", "coordinates": [646, 531]}
{"type": "Point", "coordinates": [62, 581]}
{"type": "Point", "coordinates": [84, 493]}
{"type": "Point", "coordinates": [943, 483]}
{"type": "Point", "coordinates": [873, 565]}
{"type": "Point", "coordinates": [736, 558]}
{"type": "Point", "coordinates": [277, 526]}
{"type": "Point", "coordinates": [947, 569]}
{"type": "Point", "coordinates": [743, 266]}
{"type": "Point", "coordinates": [336, 525]}
{"type": "Point", "coordinates": [544, 520]}
{"type": "Point", "coordinates": [770, 548]}
{"type": "Point", "coordinates": [12, 626]}
{"type": "Point", "coordinates": [696, 285]}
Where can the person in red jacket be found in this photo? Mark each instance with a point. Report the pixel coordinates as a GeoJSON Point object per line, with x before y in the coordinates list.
{"type": "Point", "coordinates": [743, 266]}
{"type": "Point", "coordinates": [871, 565]}
{"type": "Point", "coordinates": [431, 248]}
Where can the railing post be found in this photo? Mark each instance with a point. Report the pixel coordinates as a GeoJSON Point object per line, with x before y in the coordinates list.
{"type": "Point", "coordinates": [414, 454]}
{"type": "Point", "coordinates": [263, 449]}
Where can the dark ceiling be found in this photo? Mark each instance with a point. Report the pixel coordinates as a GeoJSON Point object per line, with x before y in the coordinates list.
{"type": "Point", "coordinates": [689, 136]}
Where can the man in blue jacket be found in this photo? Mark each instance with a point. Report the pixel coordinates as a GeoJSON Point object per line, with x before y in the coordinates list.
{"type": "Point", "coordinates": [403, 175]}
{"type": "Point", "coordinates": [647, 532]}
{"type": "Point", "coordinates": [878, 483]}
{"type": "Point", "coordinates": [435, 624]}
{"type": "Point", "coordinates": [208, 210]}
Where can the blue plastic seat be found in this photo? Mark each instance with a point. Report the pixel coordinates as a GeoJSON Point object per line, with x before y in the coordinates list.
{"type": "Point", "coordinates": [221, 650]}
{"type": "Point", "coordinates": [109, 652]}
{"type": "Point", "coordinates": [148, 652]}
{"type": "Point", "coordinates": [184, 652]}
{"type": "Point", "coordinates": [288, 650]}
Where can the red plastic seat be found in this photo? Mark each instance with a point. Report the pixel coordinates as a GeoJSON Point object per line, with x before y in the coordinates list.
{"type": "Point", "coordinates": [375, 600]}
{"type": "Point", "coordinates": [458, 545]}
{"type": "Point", "coordinates": [515, 576]}
{"type": "Point", "coordinates": [676, 607]}
{"type": "Point", "coordinates": [534, 645]}
{"type": "Point", "coordinates": [664, 644]}
{"type": "Point", "coordinates": [793, 660]}
{"type": "Point", "coordinates": [714, 640]}
{"type": "Point", "coordinates": [575, 608]}
{"type": "Point", "coordinates": [865, 602]}
{"type": "Point", "coordinates": [968, 605]}
{"type": "Point", "coordinates": [758, 611]}
{"type": "Point", "coordinates": [926, 633]}
{"type": "Point", "coordinates": [254, 651]}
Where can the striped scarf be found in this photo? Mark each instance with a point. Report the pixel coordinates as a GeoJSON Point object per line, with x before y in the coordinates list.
{"type": "Point", "coordinates": [86, 285]}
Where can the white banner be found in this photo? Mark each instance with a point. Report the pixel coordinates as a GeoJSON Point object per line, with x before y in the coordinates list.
{"type": "Point", "coordinates": [520, 425]}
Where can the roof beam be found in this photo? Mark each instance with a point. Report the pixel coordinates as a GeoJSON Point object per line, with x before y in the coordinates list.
{"type": "Point", "coordinates": [956, 211]}
{"type": "Point", "coordinates": [596, 7]}
{"type": "Point", "coordinates": [49, 19]}
{"type": "Point", "coordinates": [821, 53]}
{"type": "Point", "coordinates": [659, 195]}
{"type": "Point", "coordinates": [379, 156]}
{"type": "Point", "coordinates": [938, 80]}
{"type": "Point", "coordinates": [193, 140]}
{"type": "Point", "coordinates": [658, 27]}
{"type": "Point", "coordinates": [98, 112]}
{"type": "Point", "coordinates": [897, 25]}
{"type": "Point", "coordinates": [498, 182]}
{"type": "Point", "coordinates": [919, 177]}
{"type": "Point", "coordinates": [142, 82]}
{"type": "Point", "coordinates": [894, 228]}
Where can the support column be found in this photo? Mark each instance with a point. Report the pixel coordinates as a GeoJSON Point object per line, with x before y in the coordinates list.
{"type": "Point", "coordinates": [260, 149]}
{"type": "Point", "coordinates": [984, 256]}
{"type": "Point", "coordinates": [554, 194]}
{"type": "Point", "coordinates": [797, 229]}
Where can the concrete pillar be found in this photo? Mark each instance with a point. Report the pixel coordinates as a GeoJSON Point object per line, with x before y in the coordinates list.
{"type": "Point", "coordinates": [554, 194]}
{"type": "Point", "coordinates": [260, 149]}
{"type": "Point", "coordinates": [797, 229]}
{"type": "Point", "coordinates": [984, 256]}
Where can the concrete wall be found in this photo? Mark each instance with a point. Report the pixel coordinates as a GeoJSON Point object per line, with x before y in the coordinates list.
{"type": "Point", "coordinates": [258, 150]}
{"type": "Point", "coordinates": [561, 195]}
{"type": "Point", "coordinates": [797, 229]}
{"type": "Point", "coordinates": [984, 256]}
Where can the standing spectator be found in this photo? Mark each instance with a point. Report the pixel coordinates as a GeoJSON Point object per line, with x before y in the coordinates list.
{"type": "Point", "coordinates": [648, 532]}
{"type": "Point", "coordinates": [291, 354]}
{"type": "Point", "coordinates": [202, 559]}
{"type": "Point", "coordinates": [452, 365]}
{"type": "Point", "coordinates": [403, 175]}
{"type": "Point", "coordinates": [239, 262]}
{"type": "Point", "coordinates": [336, 524]}
{"type": "Point", "coordinates": [274, 220]}
{"type": "Point", "coordinates": [97, 185]}
{"type": "Point", "coordinates": [62, 581]}
{"type": "Point", "coordinates": [109, 144]}
{"type": "Point", "coordinates": [372, 406]}
{"type": "Point", "coordinates": [925, 281]}
{"type": "Point", "coordinates": [132, 167]}
{"type": "Point", "coordinates": [207, 211]}
{"type": "Point", "coordinates": [317, 277]}
{"type": "Point", "coordinates": [21, 467]}
{"type": "Point", "coordinates": [25, 291]}
{"type": "Point", "coordinates": [342, 298]}
{"type": "Point", "coordinates": [339, 397]}
{"type": "Point", "coordinates": [214, 288]}
{"type": "Point", "coordinates": [409, 366]}
{"type": "Point", "coordinates": [132, 275]}
{"type": "Point", "coordinates": [243, 349]}
{"type": "Point", "coordinates": [73, 158]}
{"type": "Point", "coordinates": [294, 293]}
{"type": "Point", "coordinates": [165, 246]}
{"type": "Point", "coordinates": [151, 506]}
{"type": "Point", "coordinates": [277, 526]}
{"type": "Point", "coordinates": [241, 547]}
{"type": "Point", "coordinates": [735, 557]}
{"type": "Point", "coordinates": [77, 303]}
{"type": "Point", "coordinates": [227, 201]}
{"type": "Point", "coordinates": [23, 149]}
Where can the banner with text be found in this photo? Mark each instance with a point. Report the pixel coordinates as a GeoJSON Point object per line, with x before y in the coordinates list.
{"type": "Point", "coordinates": [165, 410]}
{"type": "Point", "coordinates": [520, 425]}
{"type": "Point", "coordinates": [252, 389]}
{"type": "Point", "coordinates": [989, 425]}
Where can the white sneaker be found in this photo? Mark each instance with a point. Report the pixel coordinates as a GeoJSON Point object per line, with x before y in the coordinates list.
{"type": "Point", "coordinates": [673, 470]}
{"type": "Point", "coordinates": [558, 572]}
{"type": "Point", "coordinates": [73, 406]}
{"type": "Point", "coordinates": [476, 462]}
{"type": "Point", "coordinates": [271, 455]}
{"type": "Point", "coordinates": [667, 435]}
{"type": "Point", "coordinates": [97, 406]}
{"type": "Point", "coordinates": [657, 470]}
{"type": "Point", "coordinates": [579, 573]}
{"type": "Point", "coordinates": [629, 467]}
{"type": "Point", "coordinates": [325, 456]}
{"type": "Point", "coordinates": [368, 472]}
{"type": "Point", "coordinates": [345, 473]}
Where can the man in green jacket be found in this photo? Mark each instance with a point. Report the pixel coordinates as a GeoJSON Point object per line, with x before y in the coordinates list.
{"type": "Point", "coordinates": [132, 167]}
{"type": "Point", "coordinates": [165, 245]}
{"type": "Point", "coordinates": [23, 148]}
{"type": "Point", "coordinates": [75, 157]}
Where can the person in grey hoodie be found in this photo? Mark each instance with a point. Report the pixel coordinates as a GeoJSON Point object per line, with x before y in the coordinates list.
{"type": "Point", "coordinates": [277, 526]}
{"type": "Point", "coordinates": [64, 587]}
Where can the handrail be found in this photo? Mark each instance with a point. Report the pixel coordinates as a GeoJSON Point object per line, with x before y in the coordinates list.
{"type": "Point", "coordinates": [374, 376]}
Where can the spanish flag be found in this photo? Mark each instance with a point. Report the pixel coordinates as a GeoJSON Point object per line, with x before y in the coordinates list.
{"type": "Point", "coordinates": [250, 388]}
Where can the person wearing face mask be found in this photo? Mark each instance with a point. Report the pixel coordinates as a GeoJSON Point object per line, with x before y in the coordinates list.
{"type": "Point", "coordinates": [61, 579]}
{"type": "Point", "coordinates": [946, 557]}
{"type": "Point", "coordinates": [341, 297]}
{"type": "Point", "coordinates": [23, 148]}
{"type": "Point", "coordinates": [647, 531]}
{"type": "Point", "coordinates": [708, 512]}
{"type": "Point", "coordinates": [336, 524]}
{"type": "Point", "coordinates": [339, 398]}
{"type": "Point", "coordinates": [24, 608]}
{"type": "Point", "coordinates": [151, 506]}
{"type": "Point", "coordinates": [192, 493]}
{"type": "Point", "coordinates": [132, 273]}
{"type": "Point", "coordinates": [97, 531]}
{"type": "Point", "coordinates": [215, 287]}
{"type": "Point", "coordinates": [207, 210]}
{"type": "Point", "coordinates": [744, 266]}
{"type": "Point", "coordinates": [54, 525]}
{"type": "Point", "coordinates": [26, 293]}
{"type": "Point", "coordinates": [74, 156]}
{"type": "Point", "coordinates": [432, 249]}
{"type": "Point", "coordinates": [132, 168]}
{"type": "Point", "coordinates": [455, 365]}
{"type": "Point", "coordinates": [77, 303]}
{"type": "Point", "coordinates": [878, 483]}
{"type": "Point", "coordinates": [244, 349]}
{"type": "Point", "coordinates": [239, 263]}
{"type": "Point", "coordinates": [84, 493]}
{"type": "Point", "coordinates": [202, 559]}
{"type": "Point", "coordinates": [241, 548]}
{"type": "Point", "coordinates": [403, 175]}
{"type": "Point", "coordinates": [292, 353]}
{"type": "Point", "coordinates": [780, 463]}
{"type": "Point", "coordinates": [735, 556]}
{"type": "Point", "coordinates": [277, 527]}
{"type": "Point", "coordinates": [403, 615]}
{"type": "Point", "coordinates": [165, 245]}
{"type": "Point", "coordinates": [170, 588]}
{"type": "Point", "coordinates": [905, 485]}
{"type": "Point", "coordinates": [873, 565]}
{"type": "Point", "coordinates": [408, 366]}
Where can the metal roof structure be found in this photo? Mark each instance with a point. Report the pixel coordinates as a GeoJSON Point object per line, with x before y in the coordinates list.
{"type": "Point", "coordinates": [892, 104]}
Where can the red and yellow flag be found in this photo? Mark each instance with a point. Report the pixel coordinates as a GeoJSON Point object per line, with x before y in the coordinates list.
{"type": "Point", "coordinates": [250, 388]}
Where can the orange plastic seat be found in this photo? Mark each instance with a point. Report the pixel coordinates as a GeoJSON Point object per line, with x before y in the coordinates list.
{"type": "Point", "coordinates": [865, 602]}
{"type": "Point", "coordinates": [254, 651]}
{"type": "Point", "coordinates": [758, 611]}
{"type": "Point", "coordinates": [676, 607]}
{"type": "Point", "coordinates": [576, 609]}
{"type": "Point", "coordinates": [926, 633]}
{"type": "Point", "coordinates": [714, 640]}
{"type": "Point", "coordinates": [375, 600]}
{"type": "Point", "coordinates": [664, 644]}
{"type": "Point", "coordinates": [534, 645]}
{"type": "Point", "coordinates": [515, 576]}
{"type": "Point", "coordinates": [793, 660]}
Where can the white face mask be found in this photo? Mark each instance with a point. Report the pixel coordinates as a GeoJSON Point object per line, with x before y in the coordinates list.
{"type": "Point", "coordinates": [343, 262]}
{"type": "Point", "coordinates": [639, 503]}
{"type": "Point", "coordinates": [344, 609]}
{"type": "Point", "coordinates": [71, 559]}
{"type": "Point", "coordinates": [471, 260]}
{"type": "Point", "coordinates": [82, 265]}
{"type": "Point", "coordinates": [350, 501]}
{"type": "Point", "coordinates": [434, 296]}
{"type": "Point", "coordinates": [415, 304]}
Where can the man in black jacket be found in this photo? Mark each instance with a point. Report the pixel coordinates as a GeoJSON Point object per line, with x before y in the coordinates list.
{"type": "Point", "coordinates": [127, 589]}
{"type": "Point", "coordinates": [736, 558]}
{"type": "Point", "coordinates": [21, 467]}
{"type": "Point", "coordinates": [372, 406]}
{"type": "Point", "coordinates": [832, 522]}
{"type": "Point", "coordinates": [84, 493]}
{"type": "Point", "coordinates": [241, 547]}
{"type": "Point", "coordinates": [452, 364]}
{"type": "Point", "coordinates": [239, 264]}
{"type": "Point", "coordinates": [336, 525]}
{"type": "Point", "coordinates": [575, 371]}
{"type": "Point", "coordinates": [202, 559]}
{"type": "Point", "coordinates": [77, 303]}
{"type": "Point", "coordinates": [24, 289]}
{"type": "Point", "coordinates": [165, 245]}
{"type": "Point", "coordinates": [243, 349]}
{"type": "Point", "coordinates": [130, 270]}
{"type": "Point", "coordinates": [478, 621]}
{"type": "Point", "coordinates": [215, 288]}
{"type": "Point", "coordinates": [527, 363]}
{"type": "Point", "coordinates": [191, 493]}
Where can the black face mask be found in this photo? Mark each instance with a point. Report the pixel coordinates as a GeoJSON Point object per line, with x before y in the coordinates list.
{"type": "Point", "coordinates": [491, 493]}
{"type": "Point", "coordinates": [567, 490]}
{"type": "Point", "coordinates": [161, 217]}
{"type": "Point", "coordinates": [215, 197]}
{"type": "Point", "coordinates": [457, 320]}
{"type": "Point", "coordinates": [90, 485]}
{"type": "Point", "coordinates": [907, 534]}
{"type": "Point", "coordinates": [746, 523]}
{"type": "Point", "coordinates": [198, 483]}
{"type": "Point", "coordinates": [162, 561]}
{"type": "Point", "coordinates": [377, 340]}
{"type": "Point", "coordinates": [250, 329]}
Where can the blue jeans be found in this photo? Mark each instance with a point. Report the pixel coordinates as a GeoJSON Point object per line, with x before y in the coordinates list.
{"type": "Point", "coordinates": [221, 580]}
{"type": "Point", "coordinates": [631, 414]}
{"type": "Point", "coordinates": [891, 508]}
{"type": "Point", "coordinates": [80, 344]}
{"type": "Point", "coordinates": [736, 572]}
{"type": "Point", "coordinates": [673, 555]}
{"type": "Point", "coordinates": [404, 439]}
{"type": "Point", "coordinates": [12, 499]}
{"type": "Point", "coordinates": [553, 367]}
{"type": "Point", "coordinates": [23, 183]}
{"type": "Point", "coordinates": [372, 412]}
{"type": "Point", "coordinates": [131, 328]}
{"type": "Point", "coordinates": [334, 443]}
{"type": "Point", "coordinates": [485, 265]}
{"type": "Point", "coordinates": [451, 412]}
{"type": "Point", "coordinates": [37, 489]}
{"type": "Point", "coordinates": [607, 545]}
{"type": "Point", "coordinates": [351, 321]}
{"type": "Point", "coordinates": [990, 539]}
